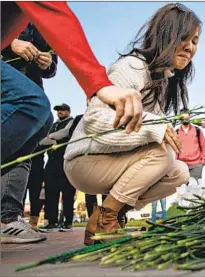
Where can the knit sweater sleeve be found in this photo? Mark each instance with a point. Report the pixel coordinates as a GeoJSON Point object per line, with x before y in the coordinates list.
{"type": "Point", "coordinates": [99, 116]}
{"type": "Point", "coordinates": [129, 72]}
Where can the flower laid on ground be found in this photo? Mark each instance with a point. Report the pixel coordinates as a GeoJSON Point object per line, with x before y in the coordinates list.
{"type": "Point", "coordinates": [179, 241]}
{"type": "Point", "coordinates": [186, 192]}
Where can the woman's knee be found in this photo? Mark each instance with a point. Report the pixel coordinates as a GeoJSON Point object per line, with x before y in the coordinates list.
{"type": "Point", "coordinates": [184, 174]}
{"type": "Point", "coordinates": [164, 158]}
{"type": "Point", "coordinates": [180, 173]}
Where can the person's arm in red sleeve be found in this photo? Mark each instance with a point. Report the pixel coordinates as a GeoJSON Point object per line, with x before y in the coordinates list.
{"type": "Point", "coordinates": [63, 32]}
{"type": "Point", "coordinates": [202, 147]}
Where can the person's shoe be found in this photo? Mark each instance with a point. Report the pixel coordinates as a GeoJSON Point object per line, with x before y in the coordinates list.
{"type": "Point", "coordinates": [122, 221]}
{"type": "Point", "coordinates": [49, 228]}
{"type": "Point", "coordinates": [19, 232]}
{"type": "Point", "coordinates": [66, 227]}
{"type": "Point", "coordinates": [102, 220]}
{"type": "Point", "coordinates": [33, 221]}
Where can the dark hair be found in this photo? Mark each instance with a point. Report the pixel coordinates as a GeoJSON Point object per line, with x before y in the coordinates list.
{"type": "Point", "coordinates": [184, 110]}
{"type": "Point", "coordinates": [169, 26]}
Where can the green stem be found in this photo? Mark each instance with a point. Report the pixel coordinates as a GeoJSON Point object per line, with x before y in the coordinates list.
{"type": "Point", "coordinates": [20, 58]}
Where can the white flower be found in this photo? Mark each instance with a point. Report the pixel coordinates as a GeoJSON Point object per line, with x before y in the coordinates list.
{"type": "Point", "coordinates": [188, 192]}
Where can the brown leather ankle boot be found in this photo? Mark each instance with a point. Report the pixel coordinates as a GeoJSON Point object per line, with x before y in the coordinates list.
{"type": "Point", "coordinates": [103, 220]}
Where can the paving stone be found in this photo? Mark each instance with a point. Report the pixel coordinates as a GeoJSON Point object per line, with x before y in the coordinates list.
{"type": "Point", "coordinates": [13, 255]}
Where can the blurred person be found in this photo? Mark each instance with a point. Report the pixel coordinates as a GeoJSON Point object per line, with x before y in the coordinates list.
{"type": "Point", "coordinates": [55, 178]}
{"type": "Point", "coordinates": [193, 142]}
{"type": "Point", "coordinates": [44, 66]}
{"type": "Point", "coordinates": [163, 207]}
{"type": "Point", "coordinates": [81, 211]}
{"type": "Point", "coordinates": [35, 186]}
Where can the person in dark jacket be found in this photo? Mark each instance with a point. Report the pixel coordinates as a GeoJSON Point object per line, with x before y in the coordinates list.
{"type": "Point", "coordinates": [55, 178]}
{"type": "Point", "coordinates": [19, 56]}
{"type": "Point", "coordinates": [45, 66]}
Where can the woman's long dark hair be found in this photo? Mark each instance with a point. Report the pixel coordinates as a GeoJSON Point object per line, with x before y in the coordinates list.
{"type": "Point", "coordinates": [169, 26]}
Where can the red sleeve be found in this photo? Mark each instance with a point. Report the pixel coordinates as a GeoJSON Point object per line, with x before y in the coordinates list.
{"type": "Point", "coordinates": [63, 32]}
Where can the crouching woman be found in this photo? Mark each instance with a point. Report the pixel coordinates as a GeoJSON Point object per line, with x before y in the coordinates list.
{"type": "Point", "coordinates": [137, 168]}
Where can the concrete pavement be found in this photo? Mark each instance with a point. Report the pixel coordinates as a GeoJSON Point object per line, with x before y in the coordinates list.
{"type": "Point", "coordinates": [13, 255]}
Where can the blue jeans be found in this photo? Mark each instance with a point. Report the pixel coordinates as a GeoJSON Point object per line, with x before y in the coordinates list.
{"type": "Point", "coordinates": [25, 119]}
{"type": "Point", "coordinates": [154, 209]}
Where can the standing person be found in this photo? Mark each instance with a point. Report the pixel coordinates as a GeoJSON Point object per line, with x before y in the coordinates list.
{"type": "Point", "coordinates": [12, 203]}
{"type": "Point", "coordinates": [81, 211]}
{"type": "Point", "coordinates": [138, 168]}
{"type": "Point", "coordinates": [90, 201]}
{"type": "Point", "coordinates": [34, 186]}
{"type": "Point", "coordinates": [44, 66]}
{"type": "Point", "coordinates": [55, 178]}
{"type": "Point", "coordinates": [154, 209]}
{"type": "Point", "coordinates": [193, 142]}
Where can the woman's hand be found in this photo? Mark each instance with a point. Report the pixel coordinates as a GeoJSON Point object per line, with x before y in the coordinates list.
{"type": "Point", "coordinates": [128, 106]}
{"type": "Point", "coordinates": [171, 137]}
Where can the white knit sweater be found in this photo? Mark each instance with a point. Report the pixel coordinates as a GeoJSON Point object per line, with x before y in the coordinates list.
{"type": "Point", "coordinates": [128, 72]}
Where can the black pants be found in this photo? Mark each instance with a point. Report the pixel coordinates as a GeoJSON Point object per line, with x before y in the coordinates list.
{"type": "Point", "coordinates": [34, 186]}
{"type": "Point", "coordinates": [90, 200]}
{"type": "Point", "coordinates": [56, 182]}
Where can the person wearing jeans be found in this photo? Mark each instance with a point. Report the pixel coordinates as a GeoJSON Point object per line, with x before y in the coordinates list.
{"type": "Point", "coordinates": [26, 119]}
{"type": "Point", "coordinates": [154, 209]}
{"type": "Point", "coordinates": [43, 66]}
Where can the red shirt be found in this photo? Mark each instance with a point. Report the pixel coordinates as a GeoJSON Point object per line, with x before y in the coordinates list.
{"type": "Point", "coordinates": [193, 153]}
{"type": "Point", "coordinates": [63, 32]}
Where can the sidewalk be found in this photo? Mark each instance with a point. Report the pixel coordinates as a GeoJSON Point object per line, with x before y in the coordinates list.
{"type": "Point", "coordinates": [14, 254]}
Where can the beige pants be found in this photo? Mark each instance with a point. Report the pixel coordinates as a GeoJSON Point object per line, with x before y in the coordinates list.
{"type": "Point", "coordinates": [135, 178]}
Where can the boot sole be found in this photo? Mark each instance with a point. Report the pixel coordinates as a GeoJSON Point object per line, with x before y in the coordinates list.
{"type": "Point", "coordinates": [5, 240]}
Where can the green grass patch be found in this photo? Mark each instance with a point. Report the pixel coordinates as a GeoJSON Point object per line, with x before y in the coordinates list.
{"type": "Point", "coordinates": [134, 223]}
{"type": "Point", "coordinates": [173, 211]}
